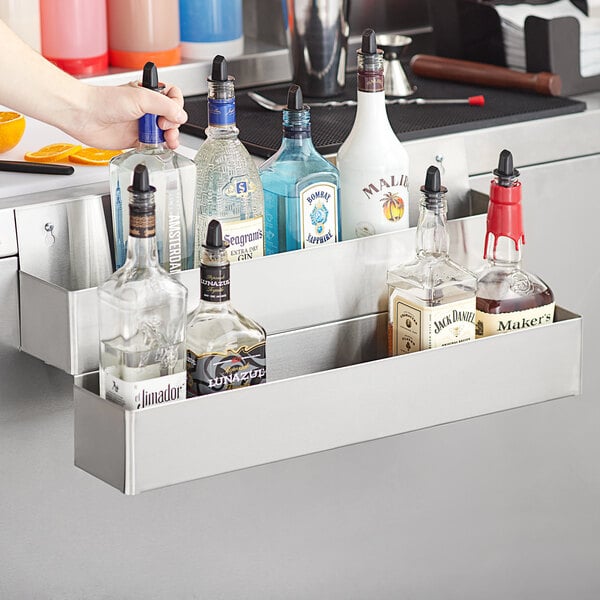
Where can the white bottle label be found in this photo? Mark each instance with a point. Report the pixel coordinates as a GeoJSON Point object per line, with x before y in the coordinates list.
{"type": "Point", "coordinates": [245, 238]}
{"type": "Point", "coordinates": [487, 324]}
{"type": "Point", "coordinates": [140, 394]}
{"type": "Point", "coordinates": [374, 206]}
{"type": "Point", "coordinates": [319, 215]}
{"type": "Point", "coordinates": [419, 328]}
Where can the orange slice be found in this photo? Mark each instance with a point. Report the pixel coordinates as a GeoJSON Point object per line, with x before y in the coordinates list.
{"type": "Point", "coordinates": [12, 126]}
{"type": "Point", "coordinates": [93, 156]}
{"type": "Point", "coordinates": [53, 153]}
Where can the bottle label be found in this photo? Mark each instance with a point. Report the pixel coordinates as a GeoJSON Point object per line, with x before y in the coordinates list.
{"type": "Point", "coordinates": [219, 371]}
{"type": "Point", "coordinates": [175, 230]}
{"type": "Point", "coordinates": [381, 204]}
{"type": "Point", "coordinates": [489, 324]}
{"type": "Point", "coordinates": [221, 112]}
{"type": "Point", "coordinates": [214, 283]}
{"type": "Point", "coordinates": [319, 214]}
{"type": "Point", "coordinates": [245, 238]}
{"type": "Point", "coordinates": [142, 225]}
{"type": "Point", "coordinates": [420, 327]}
{"type": "Point", "coordinates": [141, 394]}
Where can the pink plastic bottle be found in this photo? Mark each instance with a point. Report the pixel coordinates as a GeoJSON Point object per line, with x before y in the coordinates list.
{"type": "Point", "coordinates": [74, 35]}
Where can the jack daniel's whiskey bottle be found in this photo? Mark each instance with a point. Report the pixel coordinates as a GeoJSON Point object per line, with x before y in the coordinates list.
{"type": "Point", "coordinates": [225, 349]}
{"type": "Point", "coordinates": [142, 316]}
{"type": "Point", "coordinates": [508, 298]}
{"type": "Point", "coordinates": [432, 299]}
{"type": "Point", "coordinates": [373, 164]}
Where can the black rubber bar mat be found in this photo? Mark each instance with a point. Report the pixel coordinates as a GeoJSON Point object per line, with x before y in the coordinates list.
{"type": "Point", "coordinates": [260, 129]}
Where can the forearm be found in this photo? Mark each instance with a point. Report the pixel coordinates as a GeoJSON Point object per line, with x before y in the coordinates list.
{"type": "Point", "coordinates": [33, 86]}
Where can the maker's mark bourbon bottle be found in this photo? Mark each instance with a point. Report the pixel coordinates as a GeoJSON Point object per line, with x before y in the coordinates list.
{"type": "Point", "coordinates": [508, 298]}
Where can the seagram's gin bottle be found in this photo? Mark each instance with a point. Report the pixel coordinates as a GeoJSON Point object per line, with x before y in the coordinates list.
{"type": "Point", "coordinates": [225, 349]}
{"type": "Point", "coordinates": [173, 176]}
{"type": "Point", "coordinates": [508, 297]}
{"type": "Point", "coordinates": [142, 313]}
{"type": "Point", "coordinates": [228, 186]}
{"type": "Point", "coordinates": [432, 299]}
{"type": "Point", "coordinates": [373, 164]}
{"type": "Point", "coordinates": [301, 187]}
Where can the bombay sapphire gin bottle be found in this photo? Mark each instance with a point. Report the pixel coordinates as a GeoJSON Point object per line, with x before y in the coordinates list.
{"type": "Point", "coordinates": [228, 186]}
{"type": "Point", "coordinates": [173, 176]}
{"type": "Point", "coordinates": [142, 314]}
{"type": "Point", "coordinates": [301, 188]}
{"type": "Point", "coordinates": [225, 349]}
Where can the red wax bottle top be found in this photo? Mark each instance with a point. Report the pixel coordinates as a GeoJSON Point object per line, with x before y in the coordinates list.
{"type": "Point", "coordinates": [505, 217]}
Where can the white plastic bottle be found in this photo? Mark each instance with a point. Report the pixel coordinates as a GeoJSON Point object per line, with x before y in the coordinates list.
{"type": "Point", "coordinates": [373, 164]}
{"type": "Point", "coordinates": [23, 17]}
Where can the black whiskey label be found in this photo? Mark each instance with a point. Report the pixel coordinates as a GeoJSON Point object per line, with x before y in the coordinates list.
{"type": "Point", "coordinates": [142, 226]}
{"type": "Point", "coordinates": [214, 283]}
{"type": "Point", "coordinates": [216, 372]}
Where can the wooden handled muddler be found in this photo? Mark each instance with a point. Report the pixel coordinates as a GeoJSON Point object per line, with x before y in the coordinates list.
{"type": "Point", "coordinates": [467, 71]}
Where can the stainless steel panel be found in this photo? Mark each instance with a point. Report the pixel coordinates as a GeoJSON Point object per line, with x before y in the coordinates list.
{"type": "Point", "coordinates": [9, 302]}
{"type": "Point", "coordinates": [180, 441]}
{"type": "Point", "coordinates": [8, 233]}
{"type": "Point", "coordinates": [283, 292]}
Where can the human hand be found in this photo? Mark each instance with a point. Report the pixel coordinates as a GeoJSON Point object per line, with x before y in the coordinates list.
{"type": "Point", "coordinates": [107, 116]}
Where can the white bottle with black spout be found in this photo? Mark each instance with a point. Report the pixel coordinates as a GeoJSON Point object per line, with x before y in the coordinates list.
{"type": "Point", "coordinates": [373, 164]}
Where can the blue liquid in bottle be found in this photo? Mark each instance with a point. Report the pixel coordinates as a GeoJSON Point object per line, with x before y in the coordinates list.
{"type": "Point", "coordinates": [301, 188]}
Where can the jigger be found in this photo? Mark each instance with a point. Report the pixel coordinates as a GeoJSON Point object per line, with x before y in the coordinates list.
{"type": "Point", "coordinates": [394, 77]}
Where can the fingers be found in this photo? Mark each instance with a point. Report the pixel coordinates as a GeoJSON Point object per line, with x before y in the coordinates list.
{"type": "Point", "coordinates": [172, 91]}
{"type": "Point", "coordinates": [172, 138]}
{"type": "Point", "coordinates": [170, 106]}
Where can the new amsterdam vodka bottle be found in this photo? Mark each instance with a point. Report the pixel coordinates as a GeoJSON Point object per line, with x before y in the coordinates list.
{"type": "Point", "coordinates": [225, 350]}
{"type": "Point", "coordinates": [142, 313]}
{"type": "Point", "coordinates": [373, 163]}
{"type": "Point", "coordinates": [173, 176]}
{"type": "Point", "coordinates": [432, 299]}
{"type": "Point", "coordinates": [301, 187]}
{"type": "Point", "coordinates": [228, 186]}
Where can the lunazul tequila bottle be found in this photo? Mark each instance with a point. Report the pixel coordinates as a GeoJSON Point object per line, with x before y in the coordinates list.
{"type": "Point", "coordinates": [142, 314]}
{"type": "Point", "coordinates": [228, 186]}
{"type": "Point", "coordinates": [173, 176]}
{"type": "Point", "coordinates": [225, 349]}
{"type": "Point", "coordinates": [373, 164]}
{"type": "Point", "coordinates": [432, 299]}
{"type": "Point", "coordinates": [301, 188]}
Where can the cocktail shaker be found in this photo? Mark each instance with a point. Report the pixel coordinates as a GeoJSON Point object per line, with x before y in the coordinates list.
{"type": "Point", "coordinates": [318, 42]}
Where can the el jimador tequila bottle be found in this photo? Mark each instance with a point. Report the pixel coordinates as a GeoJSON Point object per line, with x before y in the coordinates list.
{"type": "Point", "coordinates": [431, 298]}
{"type": "Point", "coordinates": [373, 163]}
{"type": "Point", "coordinates": [142, 314]}
{"type": "Point", "coordinates": [225, 349]}
{"type": "Point", "coordinates": [228, 186]}
{"type": "Point", "coordinates": [508, 298]}
{"type": "Point", "coordinates": [301, 188]}
{"type": "Point", "coordinates": [173, 176]}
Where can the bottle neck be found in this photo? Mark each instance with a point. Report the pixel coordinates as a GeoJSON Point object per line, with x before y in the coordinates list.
{"type": "Point", "coordinates": [370, 100]}
{"type": "Point", "coordinates": [504, 234]}
{"type": "Point", "coordinates": [296, 129]}
{"type": "Point", "coordinates": [149, 133]}
{"type": "Point", "coordinates": [214, 276]}
{"type": "Point", "coordinates": [432, 235]}
{"type": "Point", "coordinates": [221, 107]}
{"type": "Point", "coordinates": [142, 252]}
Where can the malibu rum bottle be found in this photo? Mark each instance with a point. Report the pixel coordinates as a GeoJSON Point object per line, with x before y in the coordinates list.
{"type": "Point", "coordinates": [432, 299]}
{"type": "Point", "coordinates": [373, 164]}
{"type": "Point", "coordinates": [508, 298]}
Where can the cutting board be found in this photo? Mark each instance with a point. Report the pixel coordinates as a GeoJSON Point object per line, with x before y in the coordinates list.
{"type": "Point", "coordinates": [38, 134]}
